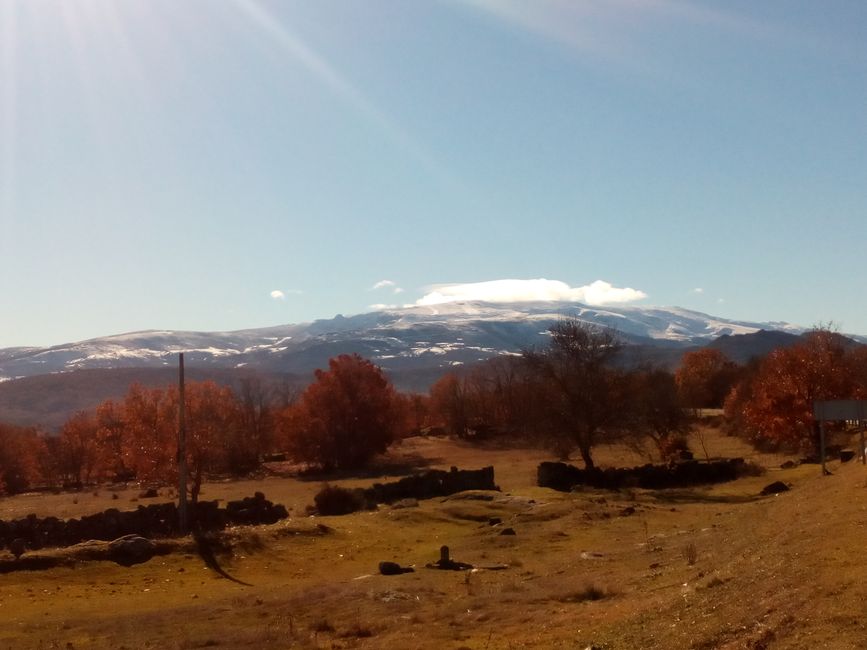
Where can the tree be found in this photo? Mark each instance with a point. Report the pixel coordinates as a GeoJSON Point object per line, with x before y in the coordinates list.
{"type": "Point", "coordinates": [211, 423]}
{"type": "Point", "coordinates": [655, 410]}
{"type": "Point", "coordinates": [776, 403]}
{"type": "Point", "coordinates": [450, 404]}
{"type": "Point", "coordinates": [584, 393]}
{"type": "Point", "coordinates": [19, 449]}
{"type": "Point", "coordinates": [150, 445]}
{"type": "Point", "coordinates": [254, 433]}
{"type": "Point", "coordinates": [345, 417]}
{"type": "Point", "coordinates": [111, 430]}
{"type": "Point", "coordinates": [704, 378]}
{"type": "Point", "coordinates": [79, 452]}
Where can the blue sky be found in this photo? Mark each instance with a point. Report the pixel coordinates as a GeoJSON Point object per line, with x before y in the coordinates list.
{"type": "Point", "coordinates": [226, 164]}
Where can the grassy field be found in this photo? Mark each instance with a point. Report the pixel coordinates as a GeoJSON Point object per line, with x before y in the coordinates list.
{"type": "Point", "coordinates": [705, 568]}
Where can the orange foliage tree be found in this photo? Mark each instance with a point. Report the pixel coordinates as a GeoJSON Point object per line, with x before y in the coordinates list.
{"type": "Point", "coordinates": [704, 378]}
{"type": "Point", "coordinates": [150, 441]}
{"type": "Point", "coordinates": [79, 452]}
{"type": "Point", "coordinates": [775, 405]}
{"type": "Point", "coordinates": [450, 403]}
{"type": "Point", "coordinates": [345, 417]}
{"type": "Point", "coordinates": [19, 450]}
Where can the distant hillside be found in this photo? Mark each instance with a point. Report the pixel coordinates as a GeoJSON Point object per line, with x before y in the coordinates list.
{"type": "Point", "coordinates": [48, 400]}
{"type": "Point", "coordinates": [414, 346]}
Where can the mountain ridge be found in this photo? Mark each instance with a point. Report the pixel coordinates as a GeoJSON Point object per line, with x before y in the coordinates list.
{"type": "Point", "coordinates": [455, 333]}
{"type": "Point", "coordinates": [414, 346]}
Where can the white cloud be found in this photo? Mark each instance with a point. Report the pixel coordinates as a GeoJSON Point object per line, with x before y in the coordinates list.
{"type": "Point", "coordinates": [387, 284]}
{"type": "Point", "coordinates": [279, 294]}
{"type": "Point", "coordinates": [698, 290]}
{"type": "Point", "coordinates": [380, 306]}
{"type": "Point", "coordinates": [597, 293]}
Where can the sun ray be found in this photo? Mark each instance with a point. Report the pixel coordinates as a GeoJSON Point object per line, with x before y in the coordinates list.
{"type": "Point", "coordinates": [8, 109]}
{"type": "Point", "coordinates": [327, 75]}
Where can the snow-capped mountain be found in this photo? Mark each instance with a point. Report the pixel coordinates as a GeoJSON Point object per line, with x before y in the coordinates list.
{"type": "Point", "coordinates": [422, 337]}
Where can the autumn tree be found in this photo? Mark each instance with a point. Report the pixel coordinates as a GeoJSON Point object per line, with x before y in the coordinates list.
{"type": "Point", "coordinates": [655, 410]}
{"type": "Point", "coordinates": [150, 444]}
{"type": "Point", "coordinates": [253, 434]}
{"type": "Point", "coordinates": [704, 378]}
{"type": "Point", "coordinates": [344, 418]}
{"type": "Point", "coordinates": [583, 391]}
{"type": "Point", "coordinates": [450, 404]}
{"type": "Point", "coordinates": [211, 424]}
{"type": "Point", "coordinates": [776, 403]}
{"type": "Point", "coordinates": [19, 448]}
{"type": "Point", "coordinates": [413, 413]}
{"type": "Point", "coordinates": [111, 431]}
{"type": "Point", "coordinates": [78, 448]}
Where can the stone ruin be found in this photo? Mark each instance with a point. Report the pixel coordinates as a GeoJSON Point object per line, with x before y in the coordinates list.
{"type": "Point", "coordinates": [563, 477]}
{"type": "Point", "coordinates": [432, 483]}
{"type": "Point", "coordinates": [156, 520]}
{"type": "Point", "coordinates": [333, 500]}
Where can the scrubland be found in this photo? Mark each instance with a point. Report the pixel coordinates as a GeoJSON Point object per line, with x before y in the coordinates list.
{"type": "Point", "coordinates": [709, 567]}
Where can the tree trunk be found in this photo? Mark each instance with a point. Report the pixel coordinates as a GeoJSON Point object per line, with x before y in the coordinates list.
{"type": "Point", "coordinates": [586, 457]}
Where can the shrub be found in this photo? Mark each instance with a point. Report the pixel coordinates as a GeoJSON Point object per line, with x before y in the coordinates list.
{"type": "Point", "coordinates": [690, 553]}
{"type": "Point", "coordinates": [589, 592]}
{"type": "Point", "coordinates": [333, 500]}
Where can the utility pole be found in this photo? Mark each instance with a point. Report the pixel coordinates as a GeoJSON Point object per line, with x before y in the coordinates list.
{"type": "Point", "coordinates": [182, 450]}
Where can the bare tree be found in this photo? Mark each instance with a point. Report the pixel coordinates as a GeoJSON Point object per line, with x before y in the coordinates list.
{"type": "Point", "coordinates": [583, 392]}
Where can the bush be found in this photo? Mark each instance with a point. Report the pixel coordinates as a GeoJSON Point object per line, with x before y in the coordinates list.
{"type": "Point", "coordinates": [333, 500]}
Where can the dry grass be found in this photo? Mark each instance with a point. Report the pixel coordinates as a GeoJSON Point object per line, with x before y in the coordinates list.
{"type": "Point", "coordinates": [777, 572]}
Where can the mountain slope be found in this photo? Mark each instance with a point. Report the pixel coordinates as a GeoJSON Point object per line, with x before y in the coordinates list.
{"type": "Point", "coordinates": [399, 339]}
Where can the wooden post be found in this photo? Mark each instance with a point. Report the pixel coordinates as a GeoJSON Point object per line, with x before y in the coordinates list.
{"type": "Point", "coordinates": [863, 451]}
{"type": "Point", "coordinates": [822, 445]}
{"type": "Point", "coordinates": [182, 450]}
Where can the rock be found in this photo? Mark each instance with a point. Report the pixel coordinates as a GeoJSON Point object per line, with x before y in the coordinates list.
{"type": "Point", "coordinates": [789, 464]}
{"type": "Point", "coordinates": [445, 563]}
{"type": "Point", "coordinates": [150, 493]}
{"type": "Point", "coordinates": [131, 549]}
{"type": "Point", "coordinates": [775, 488]}
{"type": "Point", "coordinates": [628, 510]}
{"type": "Point", "coordinates": [17, 547]}
{"type": "Point", "coordinates": [405, 503]}
{"type": "Point", "coordinates": [508, 531]}
{"type": "Point", "coordinates": [494, 521]}
{"type": "Point", "coordinates": [846, 455]}
{"type": "Point", "coordinates": [393, 569]}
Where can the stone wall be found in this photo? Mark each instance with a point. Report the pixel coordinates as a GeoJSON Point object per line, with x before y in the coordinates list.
{"type": "Point", "coordinates": [432, 483]}
{"type": "Point", "coordinates": [563, 477]}
{"type": "Point", "coordinates": [156, 520]}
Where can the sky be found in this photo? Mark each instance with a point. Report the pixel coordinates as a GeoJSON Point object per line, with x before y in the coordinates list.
{"type": "Point", "coordinates": [228, 164]}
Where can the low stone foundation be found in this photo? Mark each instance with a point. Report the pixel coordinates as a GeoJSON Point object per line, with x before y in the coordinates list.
{"type": "Point", "coordinates": [156, 520]}
{"type": "Point", "coordinates": [563, 477]}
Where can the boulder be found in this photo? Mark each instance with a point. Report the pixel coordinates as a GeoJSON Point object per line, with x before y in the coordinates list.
{"type": "Point", "coordinates": [393, 569]}
{"type": "Point", "coordinates": [131, 549]}
{"type": "Point", "coordinates": [775, 488]}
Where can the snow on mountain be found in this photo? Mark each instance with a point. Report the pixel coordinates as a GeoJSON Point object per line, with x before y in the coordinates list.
{"type": "Point", "coordinates": [405, 338]}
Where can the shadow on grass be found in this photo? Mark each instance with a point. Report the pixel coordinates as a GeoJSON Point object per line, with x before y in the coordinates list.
{"type": "Point", "coordinates": [399, 466]}
{"type": "Point", "coordinates": [693, 496]}
{"type": "Point", "coordinates": [205, 546]}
